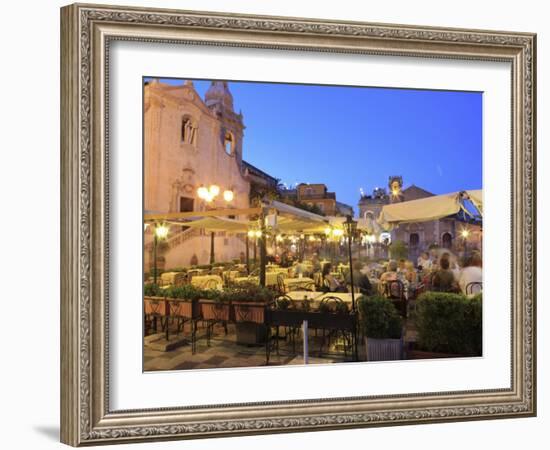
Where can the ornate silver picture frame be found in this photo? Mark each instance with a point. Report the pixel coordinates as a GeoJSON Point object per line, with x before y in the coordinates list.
{"type": "Point", "coordinates": [87, 32]}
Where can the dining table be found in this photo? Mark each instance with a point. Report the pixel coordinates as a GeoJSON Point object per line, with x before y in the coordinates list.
{"type": "Point", "coordinates": [317, 297]}
{"type": "Point", "coordinates": [298, 281]}
{"type": "Point", "coordinates": [207, 281]}
{"type": "Point", "coordinates": [270, 279]}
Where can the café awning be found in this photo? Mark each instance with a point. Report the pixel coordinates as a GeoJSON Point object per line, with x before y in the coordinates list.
{"type": "Point", "coordinates": [429, 208]}
{"type": "Point", "coordinates": [213, 223]}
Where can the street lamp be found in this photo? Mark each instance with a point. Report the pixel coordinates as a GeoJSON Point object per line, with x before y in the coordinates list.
{"type": "Point", "coordinates": [351, 228]}
{"type": "Point", "coordinates": [160, 232]}
{"type": "Point", "coordinates": [228, 195]}
{"type": "Point", "coordinates": [208, 195]}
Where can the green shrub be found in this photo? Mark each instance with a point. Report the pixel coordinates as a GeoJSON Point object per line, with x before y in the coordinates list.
{"type": "Point", "coordinates": [188, 292]}
{"type": "Point", "coordinates": [247, 292]}
{"type": "Point", "coordinates": [379, 318]}
{"type": "Point", "coordinates": [152, 290]}
{"type": "Point", "coordinates": [177, 269]}
{"type": "Point", "coordinates": [449, 323]}
{"type": "Point", "coordinates": [399, 250]}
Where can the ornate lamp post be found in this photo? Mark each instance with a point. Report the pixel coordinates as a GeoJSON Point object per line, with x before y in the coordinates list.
{"type": "Point", "coordinates": [208, 195]}
{"type": "Point", "coordinates": [351, 228]}
{"type": "Point", "coordinates": [160, 232]}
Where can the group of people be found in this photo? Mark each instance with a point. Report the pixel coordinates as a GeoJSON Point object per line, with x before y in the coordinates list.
{"type": "Point", "coordinates": [440, 273]}
{"type": "Point", "coordinates": [435, 271]}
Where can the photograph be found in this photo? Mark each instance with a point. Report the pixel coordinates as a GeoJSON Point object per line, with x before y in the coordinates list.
{"type": "Point", "coordinates": [294, 224]}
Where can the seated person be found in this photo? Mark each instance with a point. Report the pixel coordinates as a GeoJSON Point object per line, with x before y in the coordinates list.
{"type": "Point", "coordinates": [401, 265]}
{"type": "Point", "coordinates": [389, 276]}
{"type": "Point", "coordinates": [330, 281]}
{"type": "Point", "coordinates": [391, 272]}
{"type": "Point", "coordinates": [471, 273]}
{"type": "Point", "coordinates": [443, 279]}
{"type": "Point", "coordinates": [360, 278]}
{"type": "Point", "coordinates": [316, 263]}
{"type": "Point", "coordinates": [424, 261]}
{"type": "Point", "coordinates": [300, 269]}
{"type": "Point", "coordinates": [363, 282]}
{"type": "Point", "coordinates": [410, 272]}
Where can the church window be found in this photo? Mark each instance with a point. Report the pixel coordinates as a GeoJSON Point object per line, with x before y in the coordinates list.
{"type": "Point", "coordinates": [229, 143]}
{"type": "Point", "coordinates": [188, 131]}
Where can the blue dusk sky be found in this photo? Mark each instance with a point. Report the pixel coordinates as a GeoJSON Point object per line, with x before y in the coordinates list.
{"type": "Point", "coordinates": [353, 138]}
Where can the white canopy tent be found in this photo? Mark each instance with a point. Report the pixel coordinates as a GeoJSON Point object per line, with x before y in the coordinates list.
{"type": "Point", "coordinates": [430, 208]}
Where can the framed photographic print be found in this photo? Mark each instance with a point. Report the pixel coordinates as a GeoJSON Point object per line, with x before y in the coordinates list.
{"type": "Point", "coordinates": [277, 225]}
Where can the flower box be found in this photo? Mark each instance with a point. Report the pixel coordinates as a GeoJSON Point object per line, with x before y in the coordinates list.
{"type": "Point", "coordinates": [180, 307]}
{"type": "Point", "coordinates": [249, 311]}
{"type": "Point", "coordinates": [214, 310]}
{"type": "Point", "coordinates": [155, 306]}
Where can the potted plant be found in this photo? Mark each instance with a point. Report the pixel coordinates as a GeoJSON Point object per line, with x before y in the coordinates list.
{"type": "Point", "coordinates": [249, 302]}
{"type": "Point", "coordinates": [154, 299]}
{"type": "Point", "coordinates": [154, 305]}
{"type": "Point", "coordinates": [382, 327]}
{"type": "Point", "coordinates": [213, 306]}
{"type": "Point", "coordinates": [448, 325]}
{"type": "Point", "coordinates": [183, 301]}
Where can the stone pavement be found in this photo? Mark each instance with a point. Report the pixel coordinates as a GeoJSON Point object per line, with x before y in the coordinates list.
{"type": "Point", "coordinates": [224, 352]}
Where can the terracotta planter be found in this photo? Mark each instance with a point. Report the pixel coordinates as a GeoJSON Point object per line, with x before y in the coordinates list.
{"type": "Point", "coordinates": [155, 306]}
{"type": "Point", "coordinates": [249, 312]}
{"type": "Point", "coordinates": [180, 307]}
{"type": "Point", "coordinates": [212, 310]}
{"type": "Point", "coordinates": [384, 349]}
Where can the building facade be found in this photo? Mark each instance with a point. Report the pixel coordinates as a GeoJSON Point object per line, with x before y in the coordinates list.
{"type": "Point", "coordinates": [316, 194]}
{"type": "Point", "coordinates": [188, 143]}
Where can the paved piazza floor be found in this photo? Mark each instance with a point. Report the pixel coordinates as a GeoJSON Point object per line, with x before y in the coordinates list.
{"type": "Point", "coordinates": [225, 352]}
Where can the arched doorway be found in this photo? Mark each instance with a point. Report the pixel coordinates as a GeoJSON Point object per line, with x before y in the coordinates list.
{"type": "Point", "coordinates": [447, 241]}
{"type": "Point", "coordinates": [414, 241]}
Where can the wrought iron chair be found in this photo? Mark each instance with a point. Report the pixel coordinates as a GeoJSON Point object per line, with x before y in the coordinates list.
{"type": "Point", "coordinates": [282, 302]}
{"type": "Point", "coordinates": [474, 288]}
{"type": "Point", "coordinates": [333, 304]}
{"type": "Point", "coordinates": [210, 284]}
{"type": "Point", "coordinates": [394, 290]}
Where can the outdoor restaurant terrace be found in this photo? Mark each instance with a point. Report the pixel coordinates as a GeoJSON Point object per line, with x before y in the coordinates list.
{"type": "Point", "coordinates": [334, 291]}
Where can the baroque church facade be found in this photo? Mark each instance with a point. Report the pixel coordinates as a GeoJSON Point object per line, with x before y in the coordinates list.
{"type": "Point", "coordinates": [188, 143]}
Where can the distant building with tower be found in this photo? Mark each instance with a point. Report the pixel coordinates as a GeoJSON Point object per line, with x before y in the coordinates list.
{"type": "Point", "coordinates": [419, 237]}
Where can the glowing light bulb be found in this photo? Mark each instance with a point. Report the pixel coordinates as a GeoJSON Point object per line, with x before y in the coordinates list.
{"type": "Point", "coordinates": [228, 195]}
{"type": "Point", "coordinates": [214, 190]}
{"type": "Point", "coordinates": [202, 192]}
{"type": "Point", "coordinates": [161, 231]}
